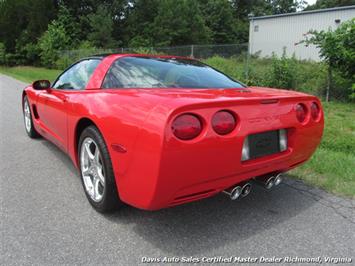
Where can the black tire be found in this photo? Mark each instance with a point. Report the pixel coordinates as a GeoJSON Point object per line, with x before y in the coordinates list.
{"type": "Point", "coordinates": [31, 131]}
{"type": "Point", "coordinates": [110, 200]}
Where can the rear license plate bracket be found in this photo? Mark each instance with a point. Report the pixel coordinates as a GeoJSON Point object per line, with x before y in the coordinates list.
{"type": "Point", "coordinates": [263, 144]}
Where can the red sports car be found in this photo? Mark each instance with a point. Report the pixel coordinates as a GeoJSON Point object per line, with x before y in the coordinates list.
{"type": "Point", "coordinates": [158, 131]}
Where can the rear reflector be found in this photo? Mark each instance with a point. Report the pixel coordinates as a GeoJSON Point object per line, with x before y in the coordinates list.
{"type": "Point", "coordinates": [223, 122]}
{"type": "Point", "coordinates": [283, 139]}
{"type": "Point", "coordinates": [301, 112]}
{"type": "Point", "coordinates": [245, 150]}
{"type": "Point", "coordinates": [186, 126]}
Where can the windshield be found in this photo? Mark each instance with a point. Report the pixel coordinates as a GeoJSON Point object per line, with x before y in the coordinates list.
{"type": "Point", "coordinates": [152, 72]}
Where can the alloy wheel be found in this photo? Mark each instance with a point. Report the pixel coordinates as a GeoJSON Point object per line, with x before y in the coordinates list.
{"type": "Point", "coordinates": [92, 169]}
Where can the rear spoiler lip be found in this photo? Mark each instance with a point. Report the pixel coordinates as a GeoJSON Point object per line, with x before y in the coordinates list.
{"type": "Point", "coordinates": [177, 108]}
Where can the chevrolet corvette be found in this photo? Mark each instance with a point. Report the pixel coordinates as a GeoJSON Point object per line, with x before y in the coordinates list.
{"type": "Point", "coordinates": [158, 131]}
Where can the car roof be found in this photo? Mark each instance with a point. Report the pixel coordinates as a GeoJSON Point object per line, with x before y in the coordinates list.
{"type": "Point", "coordinates": [140, 55]}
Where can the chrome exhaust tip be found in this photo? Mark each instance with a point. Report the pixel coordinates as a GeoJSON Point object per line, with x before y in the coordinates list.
{"type": "Point", "coordinates": [234, 193]}
{"type": "Point", "coordinates": [278, 179]}
{"type": "Point", "coordinates": [266, 181]}
{"type": "Point", "coordinates": [270, 183]}
{"type": "Point", "coordinates": [246, 190]}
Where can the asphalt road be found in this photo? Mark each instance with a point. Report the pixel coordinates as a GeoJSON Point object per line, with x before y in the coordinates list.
{"type": "Point", "coordinates": [46, 219]}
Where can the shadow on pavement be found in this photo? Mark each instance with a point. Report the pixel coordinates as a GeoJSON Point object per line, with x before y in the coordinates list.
{"type": "Point", "coordinates": [203, 226]}
{"type": "Point", "coordinates": [65, 159]}
{"type": "Point", "coordinates": [208, 224]}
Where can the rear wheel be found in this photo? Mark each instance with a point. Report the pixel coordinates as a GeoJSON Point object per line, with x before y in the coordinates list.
{"type": "Point", "coordinates": [96, 171]}
{"type": "Point", "coordinates": [27, 115]}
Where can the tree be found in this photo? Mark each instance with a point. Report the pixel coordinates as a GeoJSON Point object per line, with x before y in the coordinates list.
{"type": "Point", "coordinates": [101, 27]}
{"type": "Point", "coordinates": [60, 35]}
{"type": "Point", "coordinates": [219, 19]}
{"type": "Point", "coordinates": [24, 20]}
{"type": "Point", "coordinates": [180, 22]}
{"type": "Point", "coordinates": [51, 42]}
{"type": "Point", "coordinates": [320, 4]}
{"type": "Point", "coordinates": [241, 11]}
{"type": "Point", "coordinates": [69, 23]}
{"type": "Point", "coordinates": [2, 53]}
{"type": "Point", "coordinates": [336, 48]}
{"type": "Point", "coordinates": [242, 8]}
{"type": "Point", "coordinates": [82, 9]}
{"type": "Point", "coordinates": [139, 24]}
{"type": "Point", "coordinates": [286, 6]}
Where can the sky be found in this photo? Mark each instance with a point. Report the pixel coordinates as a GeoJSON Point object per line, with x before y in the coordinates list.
{"type": "Point", "coordinates": [311, 2]}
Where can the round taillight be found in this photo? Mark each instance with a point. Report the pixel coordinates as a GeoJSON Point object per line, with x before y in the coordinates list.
{"type": "Point", "coordinates": [223, 122]}
{"type": "Point", "coordinates": [301, 112]}
{"type": "Point", "coordinates": [315, 111]}
{"type": "Point", "coordinates": [186, 126]}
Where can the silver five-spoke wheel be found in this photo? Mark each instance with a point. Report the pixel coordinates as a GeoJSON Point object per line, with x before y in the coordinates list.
{"type": "Point", "coordinates": [92, 169]}
{"type": "Point", "coordinates": [27, 115]}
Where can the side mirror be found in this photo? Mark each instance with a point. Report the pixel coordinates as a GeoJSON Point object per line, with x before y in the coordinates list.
{"type": "Point", "coordinates": [41, 85]}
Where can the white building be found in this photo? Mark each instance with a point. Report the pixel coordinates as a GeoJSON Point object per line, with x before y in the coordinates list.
{"type": "Point", "coordinates": [268, 34]}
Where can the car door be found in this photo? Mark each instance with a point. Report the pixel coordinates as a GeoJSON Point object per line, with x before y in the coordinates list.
{"type": "Point", "coordinates": [53, 104]}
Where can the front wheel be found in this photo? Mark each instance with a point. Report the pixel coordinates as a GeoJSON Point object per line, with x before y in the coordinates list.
{"type": "Point", "coordinates": [27, 115]}
{"type": "Point", "coordinates": [96, 171]}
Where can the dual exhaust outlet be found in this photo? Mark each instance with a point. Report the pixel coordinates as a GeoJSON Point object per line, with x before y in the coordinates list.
{"type": "Point", "coordinates": [243, 189]}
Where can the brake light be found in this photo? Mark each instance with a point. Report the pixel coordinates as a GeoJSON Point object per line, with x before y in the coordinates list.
{"type": "Point", "coordinates": [301, 112]}
{"type": "Point", "coordinates": [186, 126]}
{"type": "Point", "coordinates": [315, 111]}
{"type": "Point", "coordinates": [223, 122]}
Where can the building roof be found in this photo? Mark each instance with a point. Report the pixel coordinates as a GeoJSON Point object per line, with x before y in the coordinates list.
{"type": "Point", "coordinates": [305, 12]}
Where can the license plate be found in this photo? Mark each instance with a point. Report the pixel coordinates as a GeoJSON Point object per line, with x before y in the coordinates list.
{"type": "Point", "coordinates": [263, 144]}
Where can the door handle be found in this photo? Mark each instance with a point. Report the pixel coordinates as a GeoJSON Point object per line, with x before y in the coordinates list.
{"type": "Point", "coordinates": [63, 98]}
{"type": "Point", "coordinates": [60, 97]}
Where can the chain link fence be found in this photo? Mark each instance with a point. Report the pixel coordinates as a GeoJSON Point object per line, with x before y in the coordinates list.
{"type": "Point", "coordinates": [235, 60]}
{"type": "Point", "coordinates": [231, 52]}
{"type": "Point", "coordinates": [194, 51]}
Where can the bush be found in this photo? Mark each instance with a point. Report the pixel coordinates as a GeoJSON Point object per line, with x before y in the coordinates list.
{"type": "Point", "coordinates": [289, 73]}
{"type": "Point", "coordinates": [337, 49]}
{"type": "Point", "coordinates": [53, 40]}
{"type": "Point", "coordinates": [311, 77]}
{"type": "Point", "coordinates": [63, 61]}
{"type": "Point", "coordinates": [2, 54]}
{"type": "Point", "coordinates": [233, 66]}
{"type": "Point", "coordinates": [60, 35]}
{"type": "Point", "coordinates": [283, 72]}
{"type": "Point", "coordinates": [352, 95]}
{"type": "Point", "coordinates": [66, 58]}
{"type": "Point", "coordinates": [12, 59]}
{"type": "Point", "coordinates": [29, 53]}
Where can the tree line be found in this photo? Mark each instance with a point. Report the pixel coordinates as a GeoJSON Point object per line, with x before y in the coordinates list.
{"type": "Point", "coordinates": [33, 31]}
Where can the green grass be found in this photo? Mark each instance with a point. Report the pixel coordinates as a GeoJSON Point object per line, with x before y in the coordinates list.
{"type": "Point", "coordinates": [29, 74]}
{"type": "Point", "coordinates": [332, 167]}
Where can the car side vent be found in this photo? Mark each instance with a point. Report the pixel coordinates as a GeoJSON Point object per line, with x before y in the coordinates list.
{"type": "Point", "coordinates": [35, 113]}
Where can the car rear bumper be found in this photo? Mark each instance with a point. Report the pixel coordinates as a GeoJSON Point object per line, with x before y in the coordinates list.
{"type": "Point", "coordinates": [185, 171]}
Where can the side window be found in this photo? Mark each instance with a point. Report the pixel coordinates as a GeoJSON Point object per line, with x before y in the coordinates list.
{"type": "Point", "coordinates": [113, 76]}
{"type": "Point", "coordinates": [126, 74]}
{"type": "Point", "coordinates": [76, 77]}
